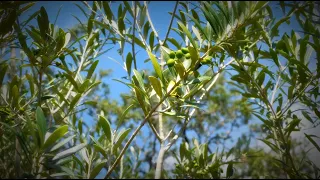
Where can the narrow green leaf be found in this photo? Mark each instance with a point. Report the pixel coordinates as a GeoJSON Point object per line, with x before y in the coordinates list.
{"type": "Point", "coordinates": [261, 77]}
{"type": "Point", "coordinates": [136, 40]}
{"type": "Point", "coordinates": [156, 85]}
{"type": "Point", "coordinates": [312, 141]}
{"type": "Point", "coordinates": [129, 63]}
{"type": "Point", "coordinates": [274, 30]}
{"type": "Point", "coordinates": [42, 123]}
{"type": "Point", "coordinates": [290, 92]}
{"type": "Point", "coordinates": [174, 42]}
{"type": "Point", "coordinates": [92, 69]}
{"type": "Point", "coordinates": [198, 25]}
{"type": "Point", "coordinates": [43, 22]}
{"type": "Point", "coordinates": [72, 81]}
{"type": "Point", "coordinates": [156, 65]}
{"type": "Point", "coordinates": [230, 170]}
{"type": "Point", "coordinates": [69, 152]}
{"type": "Point", "coordinates": [140, 98]}
{"type": "Point", "coordinates": [127, 6]}
{"type": "Point", "coordinates": [151, 40]}
{"type": "Point", "coordinates": [272, 146]}
{"type": "Point", "coordinates": [121, 137]}
{"type": "Point", "coordinates": [31, 83]}
{"type": "Point", "coordinates": [292, 125]}
{"type": "Point", "coordinates": [97, 168]}
{"type": "Point", "coordinates": [306, 115]}
{"type": "Point", "coordinates": [107, 10]}
{"type": "Point", "coordinates": [15, 96]}
{"type": "Point", "coordinates": [121, 25]}
{"type": "Point", "coordinates": [146, 29]}
{"type": "Point", "coordinates": [100, 149]}
{"type": "Point", "coordinates": [185, 30]}
{"type": "Point", "coordinates": [67, 39]}
{"type": "Point", "coordinates": [106, 127]}
{"type": "Point", "coordinates": [182, 151]}
{"type": "Point", "coordinates": [139, 79]}
{"type": "Point", "coordinates": [74, 101]}
{"type": "Point", "coordinates": [124, 115]}
{"type": "Point", "coordinates": [194, 56]}
{"type": "Point", "coordinates": [61, 143]}
{"type": "Point", "coordinates": [3, 70]}
{"type": "Point", "coordinates": [56, 135]}
{"type": "Point", "coordinates": [316, 112]}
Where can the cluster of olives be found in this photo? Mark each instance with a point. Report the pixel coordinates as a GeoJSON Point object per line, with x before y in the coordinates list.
{"type": "Point", "coordinates": [174, 56]}
{"type": "Point", "coordinates": [177, 55]}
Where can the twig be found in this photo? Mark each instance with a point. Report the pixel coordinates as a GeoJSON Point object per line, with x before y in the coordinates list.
{"type": "Point", "coordinates": [151, 24]}
{"type": "Point", "coordinates": [172, 17]}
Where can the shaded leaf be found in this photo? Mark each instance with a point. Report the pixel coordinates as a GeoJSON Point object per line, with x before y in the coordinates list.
{"type": "Point", "coordinates": [106, 127]}
{"type": "Point", "coordinates": [97, 168]}
{"type": "Point", "coordinates": [69, 152]}
{"type": "Point", "coordinates": [156, 85]}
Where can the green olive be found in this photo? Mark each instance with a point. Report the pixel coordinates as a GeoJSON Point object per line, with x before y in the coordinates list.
{"type": "Point", "coordinates": [188, 56]}
{"type": "Point", "coordinates": [21, 110]}
{"type": "Point", "coordinates": [206, 60]}
{"type": "Point", "coordinates": [179, 54]}
{"type": "Point", "coordinates": [172, 55]}
{"type": "Point", "coordinates": [185, 50]}
{"type": "Point", "coordinates": [170, 62]}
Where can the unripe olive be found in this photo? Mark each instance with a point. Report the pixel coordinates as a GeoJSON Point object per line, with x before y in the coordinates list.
{"type": "Point", "coordinates": [170, 62]}
{"type": "Point", "coordinates": [172, 54]}
{"type": "Point", "coordinates": [188, 56]}
{"type": "Point", "coordinates": [21, 110]}
{"type": "Point", "coordinates": [206, 60]}
{"type": "Point", "coordinates": [185, 50]}
{"type": "Point", "coordinates": [179, 54]}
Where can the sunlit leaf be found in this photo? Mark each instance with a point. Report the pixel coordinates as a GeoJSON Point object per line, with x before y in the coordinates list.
{"type": "Point", "coordinates": [55, 136]}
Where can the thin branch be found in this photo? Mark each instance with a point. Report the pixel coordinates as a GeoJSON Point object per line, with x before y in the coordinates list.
{"type": "Point", "coordinates": [172, 17]}
{"type": "Point", "coordinates": [155, 131]}
{"type": "Point", "coordinates": [151, 24]}
{"type": "Point", "coordinates": [159, 166]}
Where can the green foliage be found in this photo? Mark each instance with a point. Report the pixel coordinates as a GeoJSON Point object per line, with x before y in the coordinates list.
{"type": "Point", "coordinates": [232, 63]}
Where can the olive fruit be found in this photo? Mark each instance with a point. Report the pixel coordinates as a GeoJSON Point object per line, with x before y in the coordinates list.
{"type": "Point", "coordinates": [185, 50]}
{"type": "Point", "coordinates": [172, 54]}
{"type": "Point", "coordinates": [170, 62]}
{"type": "Point", "coordinates": [179, 54]}
{"type": "Point", "coordinates": [188, 56]}
{"type": "Point", "coordinates": [206, 60]}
